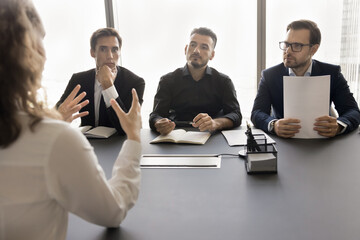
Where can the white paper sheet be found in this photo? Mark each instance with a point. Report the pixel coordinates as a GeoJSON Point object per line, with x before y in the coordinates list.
{"type": "Point", "coordinates": [238, 137]}
{"type": "Point", "coordinates": [306, 98]}
{"type": "Point", "coordinates": [180, 161]}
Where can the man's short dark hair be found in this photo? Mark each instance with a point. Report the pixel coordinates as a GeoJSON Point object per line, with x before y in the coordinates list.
{"type": "Point", "coordinates": [315, 34]}
{"type": "Point", "coordinates": [206, 32]}
{"type": "Point", "coordinates": [104, 32]}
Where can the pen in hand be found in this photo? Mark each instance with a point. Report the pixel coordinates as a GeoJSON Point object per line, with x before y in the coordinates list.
{"type": "Point", "coordinates": [183, 123]}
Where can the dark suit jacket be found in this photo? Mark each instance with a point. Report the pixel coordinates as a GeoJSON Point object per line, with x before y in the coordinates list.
{"type": "Point", "coordinates": [124, 82]}
{"type": "Point", "coordinates": [269, 102]}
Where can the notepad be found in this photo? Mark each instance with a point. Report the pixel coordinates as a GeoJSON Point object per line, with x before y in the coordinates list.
{"type": "Point", "coordinates": [261, 162]}
{"type": "Point", "coordinates": [97, 132]}
{"type": "Point", "coordinates": [180, 161]}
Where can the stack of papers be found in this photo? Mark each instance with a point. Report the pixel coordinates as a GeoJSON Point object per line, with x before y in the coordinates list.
{"type": "Point", "coordinates": [261, 162]}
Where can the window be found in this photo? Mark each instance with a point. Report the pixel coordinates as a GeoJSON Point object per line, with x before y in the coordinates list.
{"type": "Point", "coordinates": [350, 45]}
{"type": "Point", "coordinates": [339, 24]}
{"type": "Point", "coordinates": [69, 25]}
{"type": "Point", "coordinates": [279, 13]}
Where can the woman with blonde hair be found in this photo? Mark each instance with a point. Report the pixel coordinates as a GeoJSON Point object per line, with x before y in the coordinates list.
{"type": "Point", "coordinates": [48, 168]}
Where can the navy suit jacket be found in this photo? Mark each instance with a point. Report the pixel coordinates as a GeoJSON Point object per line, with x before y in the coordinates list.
{"type": "Point", "coordinates": [269, 102]}
{"type": "Point", "coordinates": [124, 82]}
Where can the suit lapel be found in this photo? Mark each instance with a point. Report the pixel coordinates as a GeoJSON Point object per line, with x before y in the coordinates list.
{"type": "Point", "coordinates": [315, 71]}
{"type": "Point", "coordinates": [87, 85]}
{"type": "Point", "coordinates": [118, 82]}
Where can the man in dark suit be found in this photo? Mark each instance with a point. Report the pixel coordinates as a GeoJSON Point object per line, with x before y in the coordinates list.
{"type": "Point", "coordinates": [101, 84]}
{"type": "Point", "coordinates": [302, 41]}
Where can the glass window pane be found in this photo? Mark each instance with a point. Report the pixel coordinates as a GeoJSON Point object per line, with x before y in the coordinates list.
{"type": "Point", "coordinates": [339, 24]}
{"type": "Point", "coordinates": [281, 12]}
{"type": "Point", "coordinates": [350, 45]}
{"type": "Point", "coordinates": [155, 34]}
{"type": "Point", "coordinates": [69, 25]}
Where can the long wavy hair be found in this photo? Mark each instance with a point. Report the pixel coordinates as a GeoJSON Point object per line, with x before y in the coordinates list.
{"type": "Point", "coordinates": [21, 64]}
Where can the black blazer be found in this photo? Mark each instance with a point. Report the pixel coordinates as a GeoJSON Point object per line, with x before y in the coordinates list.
{"type": "Point", "coordinates": [124, 82]}
{"type": "Point", "coordinates": [269, 102]}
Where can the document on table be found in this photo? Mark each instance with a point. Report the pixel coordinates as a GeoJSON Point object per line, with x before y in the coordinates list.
{"type": "Point", "coordinates": [239, 138]}
{"type": "Point", "coordinates": [180, 161]}
{"type": "Point", "coordinates": [306, 98]}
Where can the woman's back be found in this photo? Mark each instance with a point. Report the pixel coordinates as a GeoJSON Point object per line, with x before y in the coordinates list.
{"type": "Point", "coordinates": [47, 173]}
{"type": "Point", "coordinates": [28, 210]}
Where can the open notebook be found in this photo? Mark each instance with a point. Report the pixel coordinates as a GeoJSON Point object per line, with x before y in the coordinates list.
{"type": "Point", "coordinates": [182, 136]}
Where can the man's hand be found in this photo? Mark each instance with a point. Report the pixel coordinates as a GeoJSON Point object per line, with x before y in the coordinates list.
{"type": "Point", "coordinates": [106, 76]}
{"type": "Point", "coordinates": [164, 126]}
{"type": "Point", "coordinates": [131, 121]}
{"type": "Point", "coordinates": [71, 105]}
{"type": "Point", "coordinates": [205, 123]}
{"type": "Point", "coordinates": [287, 127]}
{"type": "Point", "coordinates": [327, 126]}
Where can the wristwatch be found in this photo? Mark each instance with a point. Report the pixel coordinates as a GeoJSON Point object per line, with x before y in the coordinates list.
{"type": "Point", "coordinates": [272, 126]}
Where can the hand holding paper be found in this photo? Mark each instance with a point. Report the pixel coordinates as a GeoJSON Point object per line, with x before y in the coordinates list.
{"type": "Point", "coordinates": [287, 127]}
{"type": "Point", "coordinates": [327, 126]}
{"type": "Point", "coordinates": [306, 99]}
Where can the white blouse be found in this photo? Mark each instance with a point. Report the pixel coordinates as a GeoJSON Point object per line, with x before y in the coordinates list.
{"type": "Point", "coordinates": [51, 171]}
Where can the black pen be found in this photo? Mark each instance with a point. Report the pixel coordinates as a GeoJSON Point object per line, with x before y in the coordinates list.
{"type": "Point", "coordinates": [183, 123]}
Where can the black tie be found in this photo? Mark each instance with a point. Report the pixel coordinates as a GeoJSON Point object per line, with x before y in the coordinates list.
{"type": "Point", "coordinates": [103, 119]}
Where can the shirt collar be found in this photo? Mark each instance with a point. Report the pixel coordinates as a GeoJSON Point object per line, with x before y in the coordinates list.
{"type": "Point", "coordinates": [186, 71]}
{"type": "Point", "coordinates": [307, 73]}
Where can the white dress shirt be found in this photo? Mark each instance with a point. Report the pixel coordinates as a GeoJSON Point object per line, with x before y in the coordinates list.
{"type": "Point", "coordinates": [52, 171]}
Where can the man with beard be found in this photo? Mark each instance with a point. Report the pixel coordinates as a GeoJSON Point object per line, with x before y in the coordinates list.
{"type": "Point", "coordinates": [101, 84]}
{"type": "Point", "coordinates": [196, 95]}
{"type": "Point", "coordinates": [302, 41]}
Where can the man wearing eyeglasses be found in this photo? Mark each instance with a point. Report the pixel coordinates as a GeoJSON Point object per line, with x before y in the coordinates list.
{"type": "Point", "coordinates": [302, 41]}
{"type": "Point", "coordinates": [196, 95]}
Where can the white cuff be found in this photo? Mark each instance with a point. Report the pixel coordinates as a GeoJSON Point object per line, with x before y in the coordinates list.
{"type": "Point", "coordinates": [108, 94]}
{"type": "Point", "coordinates": [342, 124]}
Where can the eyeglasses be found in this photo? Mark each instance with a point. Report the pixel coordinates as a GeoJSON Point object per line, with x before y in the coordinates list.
{"type": "Point", "coordinates": [295, 47]}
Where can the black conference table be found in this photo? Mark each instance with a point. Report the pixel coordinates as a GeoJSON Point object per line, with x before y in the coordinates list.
{"type": "Point", "coordinates": [315, 195]}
